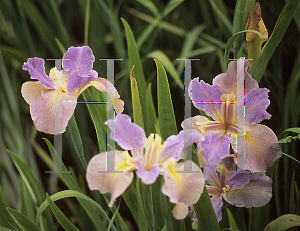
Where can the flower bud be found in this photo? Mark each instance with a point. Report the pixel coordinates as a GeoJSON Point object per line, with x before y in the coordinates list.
{"type": "Point", "coordinates": [254, 41]}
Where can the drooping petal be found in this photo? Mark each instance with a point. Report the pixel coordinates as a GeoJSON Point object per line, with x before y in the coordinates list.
{"type": "Point", "coordinates": [256, 103]}
{"type": "Point", "coordinates": [182, 188]}
{"type": "Point", "coordinates": [217, 205]}
{"type": "Point", "coordinates": [215, 146]}
{"type": "Point", "coordinates": [30, 89]}
{"type": "Point", "coordinates": [255, 194]}
{"type": "Point", "coordinates": [211, 176]}
{"type": "Point", "coordinates": [193, 122]}
{"type": "Point", "coordinates": [228, 162]}
{"type": "Point", "coordinates": [114, 183]}
{"type": "Point", "coordinates": [36, 68]}
{"type": "Point", "coordinates": [206, 97]}
{"type": "Point", "coordinates": [106, 86]}
{"type": "Point", "coordinates": [78, 62]}
{"type": "Point", "coordinates": [148, 176]}
{"type": "Point", "coordinates": [50, 110]}
{"type": "Point", "coordinates": [127, 134]}
{"type": "Point", "coordinates": [261, 148]}
{"type": "Point", "coordinates": [180, 211]}
{"type": "Point", "coordinates": [237, 179]}
{"type": "Point", "coordinates": [228, 80]}
{"type": "Point", "coordinates": [174, 145]}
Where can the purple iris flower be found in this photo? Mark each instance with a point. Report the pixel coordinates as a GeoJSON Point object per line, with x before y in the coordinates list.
{"type": "Point", "coordinates": [238, 187]}
{"type": "Point", "coordinates": [220, 102]}
{"type": "Point", "coordinates": [150, 158]}
{"type": "Point", "coordinates": [53, 98]}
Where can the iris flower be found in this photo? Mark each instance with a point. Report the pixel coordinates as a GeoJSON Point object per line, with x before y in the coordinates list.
{"type": "Point", "coordinates": [220, 102]}
{"type": "Point", "coordinates": [53, 98]}
{"type": "Point", "coordinates": [238, 187]}
{"type": "Point", "coordinates": [150, 158]}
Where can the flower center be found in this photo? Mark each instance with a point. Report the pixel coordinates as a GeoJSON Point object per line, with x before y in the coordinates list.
{"type": "Point", "coordinates": [59, 80]}
{"type": "Point", "coordinates": [152, 151]}
{"type": "Point", "coordinates": [228, 114]}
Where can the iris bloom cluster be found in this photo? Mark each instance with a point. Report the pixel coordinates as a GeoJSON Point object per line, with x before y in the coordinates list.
{"type": "Point", "coordinates": [246, 186]}
{"type": "Point", "coordinates": [53, 98]}
{"type": "Point", "coordinates": [150, 158]}
{"type": "Point", "coordinates": [261, 144]}
{"type": "Point", "coordinates": [240, 187]}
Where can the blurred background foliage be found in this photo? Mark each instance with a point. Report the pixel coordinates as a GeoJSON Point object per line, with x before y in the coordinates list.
{"type": "Point", "coordinates": [163, 29]}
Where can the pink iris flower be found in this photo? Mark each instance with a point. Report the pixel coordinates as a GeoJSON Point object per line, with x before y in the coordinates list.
{"type": "Point", "coordinates": [220, 102]}
{"type": "Point", "coordinates": [53, 98]}
{"type": "Point", "coordinates": [150, 158]}
{"type": "Point", "coordinates": [238, 187]}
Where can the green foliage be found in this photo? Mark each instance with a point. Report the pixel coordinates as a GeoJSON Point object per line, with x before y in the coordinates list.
{"type": "Point", "coordinates": [160, 30]}
{"type": "Point", "coordinates": [283, 222]}
{"type": "Point", "coordinates": [166, 115]}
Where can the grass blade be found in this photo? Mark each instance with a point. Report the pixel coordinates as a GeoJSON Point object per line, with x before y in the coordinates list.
{"type": "Point", "coordinates": [136, 103]}
{"type": "Point", "coordinates": [61, 218]}
{"type": "Point", "coordinates": [166, 116]}
{"type": "Point", "coordinates": [166, 62]}
{"type": "Point", "coordinates": [151, 121]}
{"type": "Point", "coordinates": [76, 139]}
{"type": "Point", "coordinates": [71, 184]}
{"type": "Point", "coordinates": [34, 187]}
{"type": "Point", "coordinates": [292, 196]}
{"type": "Point", "coordinates": [232, 223]}
{"type": "Point", "coordinates": [142, 219]}
{"type": "Point", "coordinates": [134, 59]}
{"type": "Point", "coordinates": [24, 222]}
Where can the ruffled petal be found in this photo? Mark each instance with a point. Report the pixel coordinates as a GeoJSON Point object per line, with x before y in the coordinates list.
{"type": "Point", "coordinates": [80, 59]}
{"type": "Point", "coordinates": [106, 86]}
{"type": "Point", "coordinates": [30, 89]}
{"type": "Point", "coordinates": [114, 183]}
{"type": "Point", "coordinates": [51, 111]}
{"type": "Point", "coordinates": [215, 146]}
{"type": "Point", "coordinates": [261, 148]}
{"type": "Point", "coordinates": [255, 194]}
{"type": "Point", "coordinates": [175, 144]}
{"type": "Point", "coordinates": [256, 103]}
{"type": "Point", "coordinates": [228, 80]}
{"type": "Point", "coordinates": [237, 179]}
{"type": "Point", "coordinates": [78, 63]}
{"type": "Point", "coordinates": [127, 134]}
{"type": "Point", "coordinates": [206, 97]}
{"type": "Point", "coordinates": [217, 205]}
{"type": "Point", "coordinates": [36, 68]}
{"type": "Point", "coordinates": [184, 187]}
{"type": "Point", "coordinates": [148, 176]}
